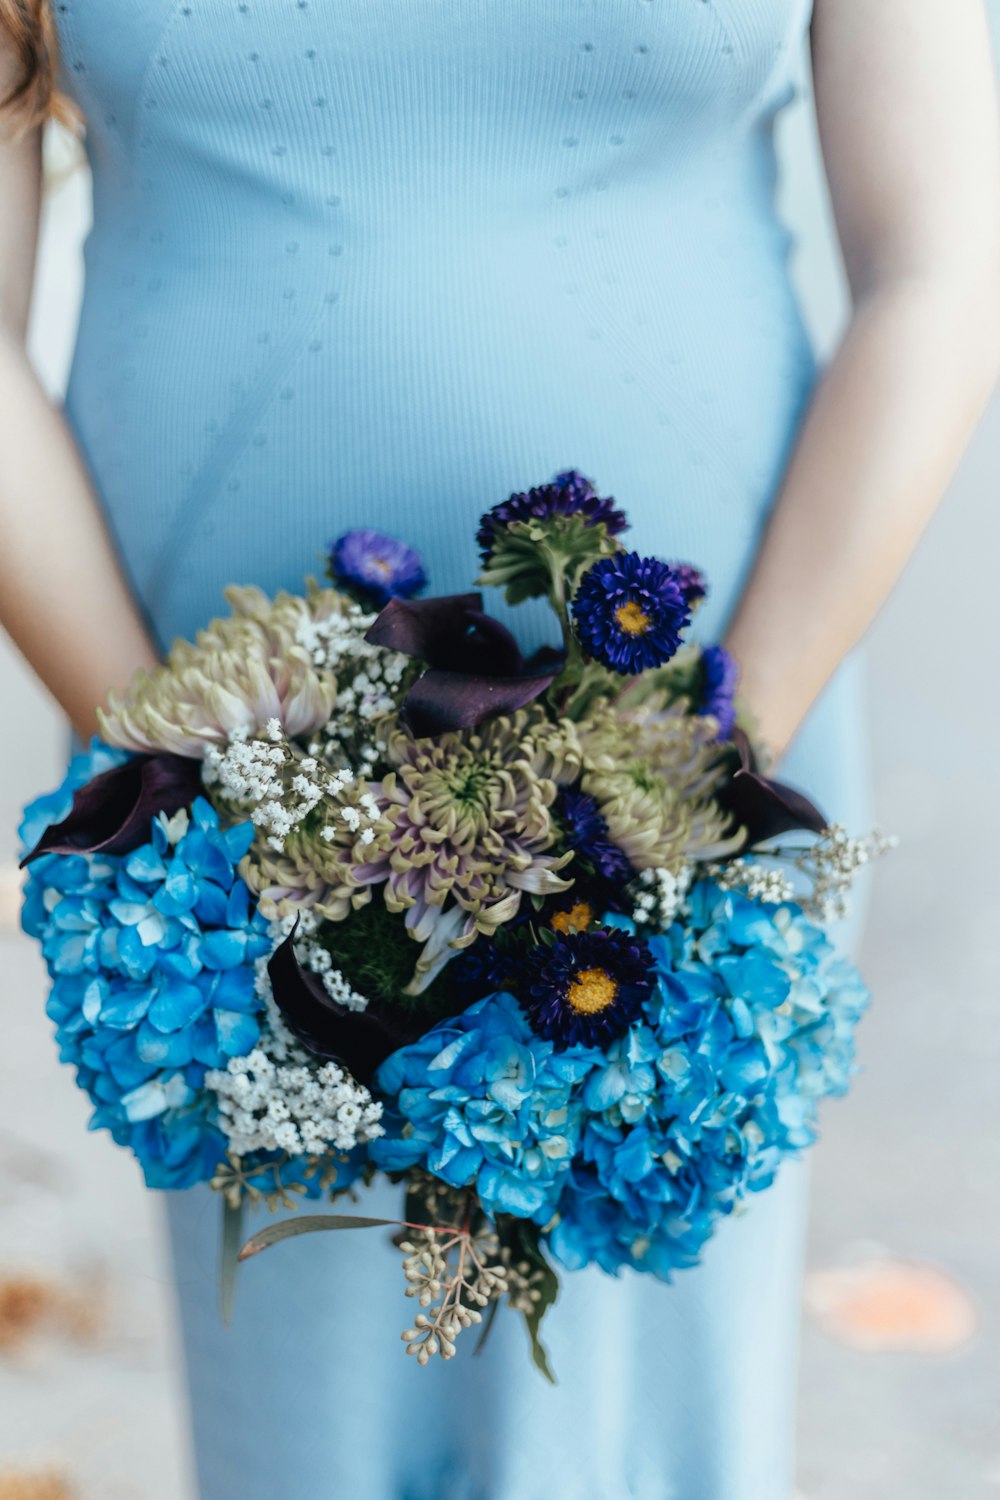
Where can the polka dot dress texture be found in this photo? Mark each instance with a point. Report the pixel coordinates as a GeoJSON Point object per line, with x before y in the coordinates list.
{"type": "Point", "coordinates": [382, 262]}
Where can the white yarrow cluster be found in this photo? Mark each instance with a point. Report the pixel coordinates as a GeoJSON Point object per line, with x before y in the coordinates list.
{"type": "Point", "coordinates": [658, 897]}
{"type": "Point", "coordinates": [367, 696]}
{"type": "Point", "coordinates": [314, 957]}
{"type": "Point", "coordinates": [280, 1098]}
{"type": "Point", "coordinates": [360, 816]}
{"type": "Point", "coordinates": [282, 789]}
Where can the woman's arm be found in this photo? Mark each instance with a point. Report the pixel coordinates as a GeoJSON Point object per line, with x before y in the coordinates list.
{"type": "Point", "coordinates": [63, 600]}
{"type": "Point", "coordinates": [905, 95]}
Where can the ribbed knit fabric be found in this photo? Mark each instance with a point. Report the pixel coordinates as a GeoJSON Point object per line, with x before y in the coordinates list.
{"type": "Point", "coordinates": [381, 262]}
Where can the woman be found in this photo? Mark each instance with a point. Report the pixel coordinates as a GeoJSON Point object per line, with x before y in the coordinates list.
{"type": "Point", "coordinates": [384, 263]}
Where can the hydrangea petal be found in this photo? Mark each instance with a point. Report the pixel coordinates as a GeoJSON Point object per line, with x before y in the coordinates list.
{"type": "Point", "coordinates": [237, 1032]}
{"type": "Point", "coordinates": [222, 949]}
{"type": "Point", "coordinates": [176, 1005]}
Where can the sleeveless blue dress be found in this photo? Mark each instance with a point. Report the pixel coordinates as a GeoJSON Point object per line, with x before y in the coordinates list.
{"type": "Point", "coordinates": [382, 262]}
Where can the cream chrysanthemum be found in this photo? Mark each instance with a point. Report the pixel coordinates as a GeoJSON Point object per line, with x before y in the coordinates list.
{"type": "Point", "coordinates": [256, 665]}
{"type": "Point", "coordinates": [654, 772]}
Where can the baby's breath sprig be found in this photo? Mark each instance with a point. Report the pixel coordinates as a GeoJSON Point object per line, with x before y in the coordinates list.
{"type": "Point", "coordinates": [282, 789]}
{"type": "Point", "coordinates": [829, 867]}
{"type": "Point", "coordinates": [657, 897]}
{"type": "Point", "coordinates": [759, 881]}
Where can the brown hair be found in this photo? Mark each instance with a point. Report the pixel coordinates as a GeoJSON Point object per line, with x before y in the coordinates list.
{"type": "Point", "coordinates": [28, 35]}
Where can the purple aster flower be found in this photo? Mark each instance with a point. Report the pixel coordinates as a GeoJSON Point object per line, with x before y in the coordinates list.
{"type": "Point", "coordinates": [585, 988]}
{"type": "Point", "coordinates": [569, 494]}
{"type": "Point", "coordinates": [587, 834]}
{"type": "Point", "coordinates": [380, 566]}
{"type": "Point", "coordinates": [692, 581]}
{"type": "Point", "coordinates": [630, 612]}
{"type": "Point", "coordinates": [575, 486]}
{"type": "Point", "coordinates": [719, 678]}
{"type": "Point", "coordinates": [483, 969]}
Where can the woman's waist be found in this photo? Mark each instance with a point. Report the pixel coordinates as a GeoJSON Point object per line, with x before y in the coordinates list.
{"type": "Point", "coordinates": [451, 340]}
{"type": "Point", "coordinates": [242, 472]}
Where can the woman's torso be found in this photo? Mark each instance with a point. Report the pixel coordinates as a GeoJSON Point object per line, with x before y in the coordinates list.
{"type": "Point", "coordinates": [384, 261]}
{"type": "Point", "coordinates": [387, 260]}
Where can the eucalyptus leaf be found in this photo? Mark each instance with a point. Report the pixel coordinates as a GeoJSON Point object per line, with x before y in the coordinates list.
{"type": "Point", "coordinates": [522, 1240]}
{"type": "Point", "coordinates": [287, 1229]}
{"type": "Point", "coordinates": [232, 1234]}
{"type": "Point", "coordinates": [533, 1323]}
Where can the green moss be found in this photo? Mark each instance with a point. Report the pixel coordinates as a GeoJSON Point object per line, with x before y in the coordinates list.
{"type": "Point", "coordinates": [377, 956]}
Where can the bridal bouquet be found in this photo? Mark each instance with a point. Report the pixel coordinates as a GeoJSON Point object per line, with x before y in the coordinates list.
{"type": "Point", "coordinates": [350, 886]}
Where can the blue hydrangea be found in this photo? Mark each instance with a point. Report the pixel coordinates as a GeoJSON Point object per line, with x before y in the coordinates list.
{"type": "Point", "coordinates": [151, 956]}
{"type": "Point", "coordinates": [481, 1100]}
{"type": "Point", "coordinates": [751, 1024]}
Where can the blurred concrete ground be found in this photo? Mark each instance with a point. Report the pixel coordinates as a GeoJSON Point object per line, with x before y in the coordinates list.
{"type": "Point", "coordinates": [906, 1225]}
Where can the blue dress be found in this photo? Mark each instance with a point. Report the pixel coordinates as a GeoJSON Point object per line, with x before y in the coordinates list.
{"type": "Point", "coordinates": [382, 262]}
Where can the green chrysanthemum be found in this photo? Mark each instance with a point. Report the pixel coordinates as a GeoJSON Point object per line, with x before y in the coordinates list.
{"type": "Point", "coordinates": [309, 873]}
{"type": "Point", "coordinates": [471, 827]}
{"type": "Point", "coordinates": [240, 672]}
{"type": "Point", "coordinates": [653, 771]}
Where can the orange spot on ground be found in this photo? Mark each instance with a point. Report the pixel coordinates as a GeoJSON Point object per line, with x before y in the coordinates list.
{"type": "Point", "coordinates": [31, 1306]}
{"type": "Point", "coordinates": [35, 1487]}
{"type": "Point", "coordinates": [888, 1305]}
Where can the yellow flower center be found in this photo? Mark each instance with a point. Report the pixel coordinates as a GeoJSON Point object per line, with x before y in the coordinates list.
{"type": "Point", "coordinates": [631, 618]}
{"type": "Point", "coordinates": [577, 919]}
{"type": "Point", "coordinates": [380, 566]}
{"type": "Point", "coordinates": [592, 990]}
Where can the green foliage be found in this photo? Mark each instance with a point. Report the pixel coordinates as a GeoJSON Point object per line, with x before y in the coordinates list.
{"type": "Point", "coordinates": [539, 559]}
{"type": "Point", "coordinates": [377, 956]}
{"type": "Point", "coordinates": [534, 1285]}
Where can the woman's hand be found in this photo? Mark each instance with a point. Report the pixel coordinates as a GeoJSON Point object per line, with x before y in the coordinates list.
{"type": "Point", "coordinates": [63, 599]}
{"type": "Point", "coordinates": [906, 99]}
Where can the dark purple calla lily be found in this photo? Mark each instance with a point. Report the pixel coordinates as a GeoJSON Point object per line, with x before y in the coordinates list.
{"type": "Point", "coordinates": [112, 813]}
{"type": "Point", "coordinates": [360, 1039]}
{"type": "Point", "coordinates": [475, 669]}
{"type": "Point", "coordinates": [763, 807]}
